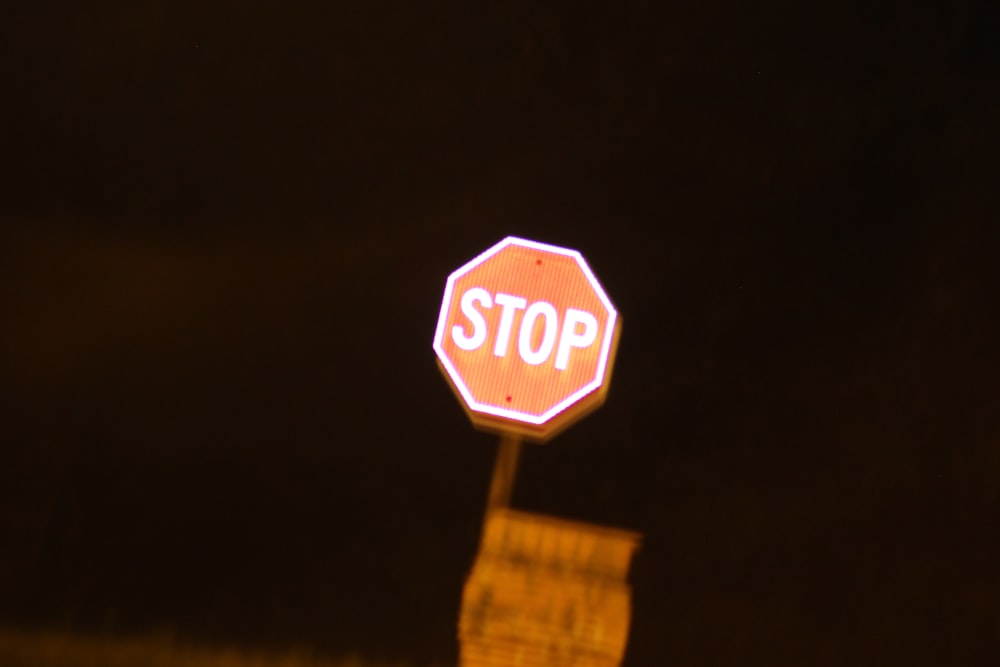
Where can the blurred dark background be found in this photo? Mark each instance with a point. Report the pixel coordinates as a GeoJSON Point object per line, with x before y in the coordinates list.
{"type": "Point", "coordinates": [226, 228]}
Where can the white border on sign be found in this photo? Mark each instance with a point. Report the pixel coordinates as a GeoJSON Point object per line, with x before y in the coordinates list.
{"type": "Point", "coordinates": [496, 411]}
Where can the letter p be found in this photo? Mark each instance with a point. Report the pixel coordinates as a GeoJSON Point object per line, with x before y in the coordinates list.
{"type": "Point", "coordinates": [570, 338]}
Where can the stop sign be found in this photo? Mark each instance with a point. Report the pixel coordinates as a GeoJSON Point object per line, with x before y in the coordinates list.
{"type": "Point", "coordinates": [526, 337]}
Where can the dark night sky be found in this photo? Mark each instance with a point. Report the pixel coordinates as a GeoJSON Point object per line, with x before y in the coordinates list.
{"type": "Point", "coordinates": [227, 227]}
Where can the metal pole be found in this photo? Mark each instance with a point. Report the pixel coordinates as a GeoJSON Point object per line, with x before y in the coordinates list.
{"type": "Point", "coordinates": [504, 471]}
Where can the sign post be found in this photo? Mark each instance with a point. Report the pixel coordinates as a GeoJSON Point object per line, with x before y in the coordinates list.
{"type": "Point", "coordinates": [526, 337]}
{"type": "Point", "coordinates": [504, 472]}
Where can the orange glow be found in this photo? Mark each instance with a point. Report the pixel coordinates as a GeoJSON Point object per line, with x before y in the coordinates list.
{"type": "Point", "coordinates": [60, 649]}
{"type": "Point", "coordinates": [525, 334]}
{"type": "Point", "coordinates": [547, 592]}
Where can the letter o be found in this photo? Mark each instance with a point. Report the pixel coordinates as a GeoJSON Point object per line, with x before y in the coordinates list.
{"type": "Point", "coordinates": [548, 311]}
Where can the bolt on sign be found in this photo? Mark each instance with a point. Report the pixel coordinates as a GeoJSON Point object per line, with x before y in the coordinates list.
{"type": "Point", "coordinates": [526, 337]}
{"type": "Point", "coordinates": [545, 592]}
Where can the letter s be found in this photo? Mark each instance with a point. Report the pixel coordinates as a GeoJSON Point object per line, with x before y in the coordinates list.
{"type": "Point", "coordinates": [478, 336]}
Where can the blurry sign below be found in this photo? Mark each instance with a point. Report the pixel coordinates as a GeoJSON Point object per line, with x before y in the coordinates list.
{"type": "Point", "coordinates": [545, 592]}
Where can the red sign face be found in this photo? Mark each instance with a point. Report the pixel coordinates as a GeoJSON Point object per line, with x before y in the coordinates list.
{"type": "Point", "coordinates": [526, 336]}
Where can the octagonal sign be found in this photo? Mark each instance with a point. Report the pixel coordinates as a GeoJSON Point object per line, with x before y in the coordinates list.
{"type": "Point", "coordinates": [526, 337]}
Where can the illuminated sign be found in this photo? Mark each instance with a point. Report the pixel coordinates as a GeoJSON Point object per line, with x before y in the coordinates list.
{"type": "Point", "coordinates": [526, 337]}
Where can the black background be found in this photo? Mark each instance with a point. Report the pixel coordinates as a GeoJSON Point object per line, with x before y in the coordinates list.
{"type": "Point", "coordinates": [227, 227]}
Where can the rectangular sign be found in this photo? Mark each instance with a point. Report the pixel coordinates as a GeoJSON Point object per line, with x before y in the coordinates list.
{"type": "Point", "coordinates": [547, 592]}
